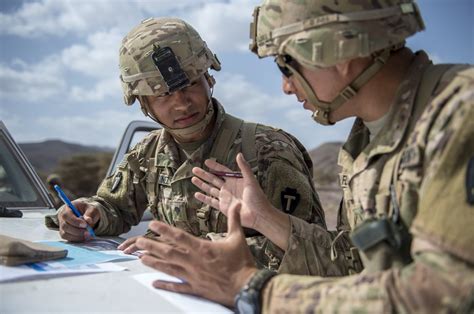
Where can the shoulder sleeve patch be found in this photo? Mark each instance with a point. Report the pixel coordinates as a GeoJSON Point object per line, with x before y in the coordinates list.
{"type": "Point", "coordinates": [290, 199]}
{"type": "Point", "coordinates": [470, 181]}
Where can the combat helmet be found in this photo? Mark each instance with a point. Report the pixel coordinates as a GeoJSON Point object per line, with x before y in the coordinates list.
{"type": "Point", "coordinates": [323, 33]}
{"type": "Point", "coordinates": [161, 56]}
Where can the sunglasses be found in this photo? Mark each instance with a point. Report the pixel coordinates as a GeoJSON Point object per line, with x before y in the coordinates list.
{"type": "Point", "coordinates": [281, 62]}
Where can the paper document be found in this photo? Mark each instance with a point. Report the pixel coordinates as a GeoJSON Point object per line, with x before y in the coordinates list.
{"type": "Point", "coordinates": [187, 303]}
{"type": "Point", "coordinates": [86, 257]}
{"type": "Point", "coordinates": [52, 269]}
{"type": "Point", "coordinates": [91, 252]}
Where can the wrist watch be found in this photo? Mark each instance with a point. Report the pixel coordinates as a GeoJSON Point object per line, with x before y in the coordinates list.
{"type": "Point", "coordinates": [248, 301]}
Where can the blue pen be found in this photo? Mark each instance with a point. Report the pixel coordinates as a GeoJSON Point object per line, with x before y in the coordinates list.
{"type": "Point", "coordinates": [66, 201]}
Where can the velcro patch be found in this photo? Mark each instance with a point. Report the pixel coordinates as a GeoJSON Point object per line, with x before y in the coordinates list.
{"type": "Point", "coordinates": [411, 157]}
{"type": "Point", "coordinates": [343, 180]}
{"type": "Point", "coordinates": [470, 181]}
{"type": "Point", "coordinates": [116, 182]}
{"type": "Point", "coordinates": [290, 198]}
{"type": "Point", "coordinates": [164, 179]}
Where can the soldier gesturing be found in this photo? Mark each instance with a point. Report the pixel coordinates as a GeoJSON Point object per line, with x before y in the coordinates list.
{"type": "Point", "coordinates": [407, 169]}
{"type": "Point", "coordinates": [165, 65]}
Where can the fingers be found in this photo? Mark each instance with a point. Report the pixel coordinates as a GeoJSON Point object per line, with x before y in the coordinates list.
{"type": "Point", "coordinates": [208, 200]}
{"type": "Point", "coordinates": [214, 165]}
{"type": "Point", "coordinates": [244, 166]}
{"type": "Point", "coordinates": [90, 214]}
{"type": "Point", "coordinates": [164, 251]}
{"type": "Point", "coordinates": [128, 246]}
{"type": "Point", "coordinates": [174, 236]}
{"type": "Point", "coordinates": [208, 177]}
{"type": "Point", "coordinates": [205, 187]}
{"type": "Point", "coordinates": [173, 286]}
{"type": "Point", "coordinates": [68, 216]}
{"type": "Point", "coordinates": [72, 228]}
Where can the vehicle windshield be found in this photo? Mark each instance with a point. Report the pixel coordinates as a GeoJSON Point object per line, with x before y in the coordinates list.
{"type": "Point", "coordinates": [17, 188]}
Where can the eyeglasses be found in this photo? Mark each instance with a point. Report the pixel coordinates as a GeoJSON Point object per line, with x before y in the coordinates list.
{"type": "Point", "coordinates": [281, 62]}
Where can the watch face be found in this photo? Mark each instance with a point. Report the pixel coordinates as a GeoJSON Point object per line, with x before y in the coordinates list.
{"type": "Point", "coordinates": [244, 308]}
{"type": "Point", "coordinates": [248, 302]}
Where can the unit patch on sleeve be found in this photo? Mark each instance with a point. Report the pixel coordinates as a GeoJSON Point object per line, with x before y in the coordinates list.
{"type": "Point", "coordinates": [116, 182]}
{"type": "Point", "coordinates": [290, 198]}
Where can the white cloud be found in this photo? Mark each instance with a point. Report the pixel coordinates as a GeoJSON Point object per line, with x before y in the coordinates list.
{"type": "Point", "coordinates": [100, 128]}
{"type": "Point", "coordinates": [86, 71]}
{"type": "Point", "coordinates": [62, 17]}
{"type": "Point", "coordinates": [225, 26]}
{"type": "Point", "coordinates": [249, 102]}
{"type": "Point", "coordinates": [97, 60]}
{"type": "Point", "coordinates": [98, 57]}
{"type": "Point", "coordinates": [101, 90]}
{"type": "Point", "coordinates": [31, 82]}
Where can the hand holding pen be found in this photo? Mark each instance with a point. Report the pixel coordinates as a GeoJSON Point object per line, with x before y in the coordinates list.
{"type": "Point", "coordinates": [76, 212]}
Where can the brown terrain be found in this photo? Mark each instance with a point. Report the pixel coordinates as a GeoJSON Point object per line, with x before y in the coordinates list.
{"type": "Point", "coordinates": [326, 180]}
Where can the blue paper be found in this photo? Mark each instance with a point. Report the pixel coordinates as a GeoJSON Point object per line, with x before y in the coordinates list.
{"type": "Point", "coordinates": [77, 256]}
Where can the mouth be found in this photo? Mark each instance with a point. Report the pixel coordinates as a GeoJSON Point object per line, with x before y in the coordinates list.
{"type": "Point", "coordinates": [186, 120]}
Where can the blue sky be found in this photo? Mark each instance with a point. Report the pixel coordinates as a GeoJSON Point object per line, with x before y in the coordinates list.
{"type": "Point", "coordinates": [59, 73]}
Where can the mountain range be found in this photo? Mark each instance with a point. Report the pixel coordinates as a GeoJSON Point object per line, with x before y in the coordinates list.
{"type": "Point", "coordinates": [45, 156]}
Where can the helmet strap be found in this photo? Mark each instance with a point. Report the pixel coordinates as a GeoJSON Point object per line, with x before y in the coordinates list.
{"type": "Point", "coordinates": [322, 108]}
{"type": "Point", "coordinates": [184, 132]}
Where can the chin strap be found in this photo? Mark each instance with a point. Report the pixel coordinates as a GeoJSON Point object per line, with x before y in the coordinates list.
{"type": "Point", "coordinates": [195, 128]}
{"type": "Point", "coordinates": [322, 108]}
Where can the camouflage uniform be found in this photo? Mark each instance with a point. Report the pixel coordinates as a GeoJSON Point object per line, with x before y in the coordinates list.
{"type": "Point", "coordinates": [408, 194]}
{"type": "Point", "coordinates": [432, 154]}
{"type": "Point", "coordinates": [156, 174]}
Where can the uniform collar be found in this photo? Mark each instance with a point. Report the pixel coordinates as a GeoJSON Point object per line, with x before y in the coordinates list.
{"type": "Point", "coordinates": [358, 150]}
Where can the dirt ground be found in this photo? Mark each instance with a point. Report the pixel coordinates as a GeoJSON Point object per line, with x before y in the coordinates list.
{"type": "Point", "coordinates": [330, 198]}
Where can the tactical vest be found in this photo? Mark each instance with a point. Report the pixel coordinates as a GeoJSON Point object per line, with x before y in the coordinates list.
{"type": "Point", "coordinates": [384, 237]}
{"type": "Point", "coordinates": [225, 138]}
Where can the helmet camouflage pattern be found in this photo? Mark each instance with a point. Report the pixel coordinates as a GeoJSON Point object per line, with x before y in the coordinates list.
{"type": "Point", "coordinates": [162, 55]}
{"type": "Point", "coordinates": [323, 33]}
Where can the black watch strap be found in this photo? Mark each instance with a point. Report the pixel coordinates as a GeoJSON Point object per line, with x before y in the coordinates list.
{"type": "Point", "coordinates": [248, 300]}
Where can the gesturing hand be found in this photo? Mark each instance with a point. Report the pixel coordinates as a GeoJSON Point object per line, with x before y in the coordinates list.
{"type": "Point", "coordinates": [223, 193]}
{"type": "Point", "coordinates": [213, 270]}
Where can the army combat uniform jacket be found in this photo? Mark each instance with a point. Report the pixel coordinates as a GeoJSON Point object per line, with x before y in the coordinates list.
{"type": "Point", "coordinates": [414, 178]}
{"type": "Point", "coordinates": [156, 174]}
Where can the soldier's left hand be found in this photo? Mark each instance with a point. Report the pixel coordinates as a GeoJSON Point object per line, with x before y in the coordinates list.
{"type": "Point", "coordinates": [129, 246]}
{"type": "Point", "coordinates": [213, 270]}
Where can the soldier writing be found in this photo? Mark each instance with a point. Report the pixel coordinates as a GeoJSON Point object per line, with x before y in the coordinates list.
{"type": "Point", "coordinates": [407, 173]}
{"type": "Point", "coordinates": [164, 65]}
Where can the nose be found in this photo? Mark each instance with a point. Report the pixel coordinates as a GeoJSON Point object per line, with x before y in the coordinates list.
{"type": "Point", "coordinates": [287, 86]}
{"type": "Point", "coordinates": [180, 100]}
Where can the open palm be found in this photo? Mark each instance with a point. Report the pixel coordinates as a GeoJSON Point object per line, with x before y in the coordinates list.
{"type": "Point", "coordinates": [223, 193]}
